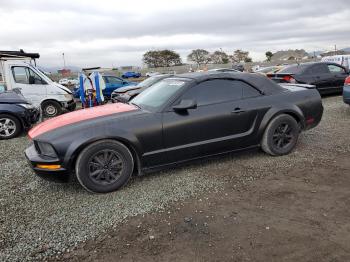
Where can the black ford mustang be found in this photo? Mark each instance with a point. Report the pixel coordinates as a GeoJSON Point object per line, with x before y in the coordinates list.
{"type": "Point", "coordinates": [178, 119]}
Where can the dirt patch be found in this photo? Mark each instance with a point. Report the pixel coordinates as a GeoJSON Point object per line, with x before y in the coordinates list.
{"type": "Point", "coordinates": [301, 215]}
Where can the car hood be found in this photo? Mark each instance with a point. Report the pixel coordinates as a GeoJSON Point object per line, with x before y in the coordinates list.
{"type": "Point", "coordinates": [79, 116]}
{"type": "Point", "coordinates": [127, 88]}
{"type": "Point", "coordinates": [63, 88]}
{"type": "Point", "coordinates": [12, 98]}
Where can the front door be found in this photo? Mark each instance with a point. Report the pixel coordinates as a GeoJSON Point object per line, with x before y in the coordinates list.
{"type": "Point", "coordinates": [31, 85]}
{"type": "Point", "coordinates": [339, 74]}
{"type": "Point", "coordinates": [112, 83]}
{"type": "Point", "coordinates": [218, 124]}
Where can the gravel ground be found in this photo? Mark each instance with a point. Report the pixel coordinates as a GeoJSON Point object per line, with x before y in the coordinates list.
{"type": "Point", "coordinates": [40, 218]}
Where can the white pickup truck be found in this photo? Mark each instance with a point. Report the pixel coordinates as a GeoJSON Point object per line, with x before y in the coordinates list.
{"type": "Point", "coordinates": [17, 71]}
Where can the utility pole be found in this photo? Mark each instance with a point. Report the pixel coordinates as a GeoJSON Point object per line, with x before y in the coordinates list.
{"type": "Point", "coordinates": [64, 61]}
{"type": "Point", "coordinates": [335, 49]}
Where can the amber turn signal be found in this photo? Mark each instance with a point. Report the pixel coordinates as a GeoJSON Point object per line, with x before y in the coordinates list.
{"type": "Point", "coordinates": [51, 167]}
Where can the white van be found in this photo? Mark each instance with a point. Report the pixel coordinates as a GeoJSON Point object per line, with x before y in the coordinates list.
{"type": "Point", "coordinates": [19, 73]}
{"type": "Point", "coordinates": [343, 60]}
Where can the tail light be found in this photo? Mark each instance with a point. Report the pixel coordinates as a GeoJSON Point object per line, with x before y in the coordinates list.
{"type": "Point", "coordinates": [347, 81]}
{"type": "Point", "coordinates": [289, 79]}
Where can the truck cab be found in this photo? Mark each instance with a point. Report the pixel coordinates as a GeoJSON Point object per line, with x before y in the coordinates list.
{"type": "Point", "coordinates": [19, 73]}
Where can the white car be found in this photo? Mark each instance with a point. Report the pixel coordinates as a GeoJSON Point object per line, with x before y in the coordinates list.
{"type": "Point", "coordinates": [73, 82]}
{"type": "Point", "coordinates": [148, 74]}
{"type": "Point", "coordinates": [63, 81]}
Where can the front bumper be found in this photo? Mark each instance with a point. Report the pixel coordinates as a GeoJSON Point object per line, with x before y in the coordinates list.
{"type": "Point", "coordinates": [120, 98]}
{"type": "Point", "coordinates": [70, 105]}
{"type": "Point", "coordinates": [34, 158]}
{"type": "Point", "coordinates": [30, 117]}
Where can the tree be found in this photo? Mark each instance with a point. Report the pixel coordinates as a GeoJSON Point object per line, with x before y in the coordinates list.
{"type": "Point", "coordinates": [240, 56]}
{"type": "Point", "coordinates": [269, 55]}
{"type": "Point", "coordinates": [248, 60]}
{"type": "Point", "coordinates": [170, 58]}
{"type": "Point", "coordinates": [219, 57]}
{"type": "Point", "coordinates": [199, 56]}
{"type": "Point", "coordinates": [161, 58]}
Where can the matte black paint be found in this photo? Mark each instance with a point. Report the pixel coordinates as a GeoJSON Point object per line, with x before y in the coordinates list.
{"type": "Point", "coordinates": [166, 137]}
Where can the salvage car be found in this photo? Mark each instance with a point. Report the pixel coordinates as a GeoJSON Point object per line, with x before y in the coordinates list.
{"type": "Point", "coordinates": [125, 94]}
{"type": "Point", "coordinates": [16, 114]}
{"type": "Point", "coordinates": [180, 118]}
{"type": "Point", "coordinates": [346, 91]}
{"type": "Point", "coordinates": [327, 77]}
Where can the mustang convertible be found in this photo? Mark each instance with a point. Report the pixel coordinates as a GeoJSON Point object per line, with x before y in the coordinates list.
{"type": "Point", "coordinates": [178, 119]}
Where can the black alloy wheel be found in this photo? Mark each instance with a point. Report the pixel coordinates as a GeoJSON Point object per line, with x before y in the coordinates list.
{"type": "Point", "coordinates": [281, 135]}
{"type": "Point", "coordinates": [104, 166]}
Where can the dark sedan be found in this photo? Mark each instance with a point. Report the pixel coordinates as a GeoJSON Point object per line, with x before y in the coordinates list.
{"type": "Point", "coordinates": [125, 94]}
{"type": "Point", "coordinates": [16, 115]}
{"type": "Point", "coordinates": [327, 77]}
{"type": "Point", "coordinates": [178, 119]}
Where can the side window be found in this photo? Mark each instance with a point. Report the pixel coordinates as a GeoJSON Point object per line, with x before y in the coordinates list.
{"type": "Point", "coordinates": [214, 91]}
{"type": "Point", "coordinates": [317, 69]}
{"type": "Point", "coordinates": [37, 79]}
{"type": "Point", "coordinates": [249, 91]}
{"type": "Point", "coordinates": [336, 69]}
{"type": "Point", "coordinates": [113, 80]}
{"type": "Point", "coordinates": [20, 74]}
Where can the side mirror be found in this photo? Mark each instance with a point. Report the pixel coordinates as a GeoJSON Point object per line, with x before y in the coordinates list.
{"type": "Point", "coordinates": [184, 105]}
{"type": "Point", "coordinates": [31, 80]}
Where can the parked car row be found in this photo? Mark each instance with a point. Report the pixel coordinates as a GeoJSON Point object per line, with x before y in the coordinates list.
{"type": "Point", "coordinates": [112, 83]}
{"type": "Point", "coordinates": [20, 74]}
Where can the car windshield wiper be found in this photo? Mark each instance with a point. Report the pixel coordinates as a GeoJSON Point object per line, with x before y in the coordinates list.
{"type": "Point", "coordinates": [134, 104]}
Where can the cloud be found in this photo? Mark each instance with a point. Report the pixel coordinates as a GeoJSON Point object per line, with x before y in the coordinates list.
{"type": "Point", "coordinates": [118, 32]}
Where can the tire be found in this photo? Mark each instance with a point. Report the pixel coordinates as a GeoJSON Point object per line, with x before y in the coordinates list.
{"type": "Point", "coordinates": [10, 126]}
{"type": "Point", "coordinates": [98, 161]}
{"type": "Point", "coordinates": [280, 136]}
{"type": "Point", "coordinates": [51, 108]}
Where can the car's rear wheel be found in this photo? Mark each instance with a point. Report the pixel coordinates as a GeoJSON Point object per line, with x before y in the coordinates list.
{"type": "Point", "coordinates": [51, 108]}
{"type": "Point", "coordinates": [104, 166]}
{"type": "Point", "coordinates": [281, 135]}
{"type": "Point", "coordinates": [10, 126]}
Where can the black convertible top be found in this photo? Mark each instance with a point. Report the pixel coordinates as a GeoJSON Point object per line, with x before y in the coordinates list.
{"type": "Point", "coordinates": [261, 82]}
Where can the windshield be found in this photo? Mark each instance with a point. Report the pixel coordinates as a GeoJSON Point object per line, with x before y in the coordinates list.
{"type": "Point", "coordinates": [158, 94]}
{"type": "Point", "coordinates": [150, 81]}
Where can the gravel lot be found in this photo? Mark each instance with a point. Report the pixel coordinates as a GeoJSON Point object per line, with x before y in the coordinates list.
{"type": "Point", "coordinates": [40, 219]}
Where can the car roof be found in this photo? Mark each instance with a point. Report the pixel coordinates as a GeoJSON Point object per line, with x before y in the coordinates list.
{"type": "Point", "coordinates": [261, 82]}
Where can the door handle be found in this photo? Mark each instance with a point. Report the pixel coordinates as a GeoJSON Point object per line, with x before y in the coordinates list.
{"type": "Point", "coordinates": [237, 110]}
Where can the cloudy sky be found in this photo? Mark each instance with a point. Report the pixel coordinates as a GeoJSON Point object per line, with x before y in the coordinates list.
{"type": "Point", "coordinates": [114, 33]}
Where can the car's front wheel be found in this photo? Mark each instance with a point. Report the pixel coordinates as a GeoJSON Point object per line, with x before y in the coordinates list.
{"type": "Point", "coordinates": [10, 126]}
{"type": "Point", "coordinates": [104, 166]}
{"type": "Point", "coordinates": [51, 108]}
{"type": "Point", "coordinates": [281, 135]}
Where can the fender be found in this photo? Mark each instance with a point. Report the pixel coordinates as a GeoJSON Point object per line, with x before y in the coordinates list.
{"type": "Point", "coordinates": [281, 109]}
{"type": "Point", "coordinates": [128, 139]}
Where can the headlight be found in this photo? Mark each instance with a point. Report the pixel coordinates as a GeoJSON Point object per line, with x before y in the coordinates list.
{"type": "Point", "coordinates": [27, 106]}
{"type": "Point", "coordinates": [68, 96]}
{"type": "Point", "coordinates": [45, 149]}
